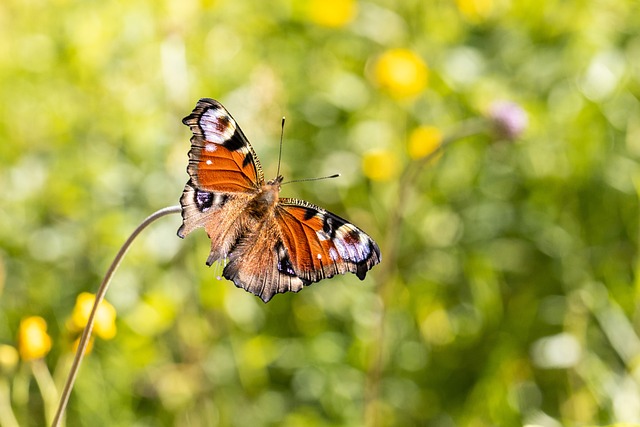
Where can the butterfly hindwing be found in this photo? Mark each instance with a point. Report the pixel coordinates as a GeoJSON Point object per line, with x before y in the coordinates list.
{"type": "Point", "coordinates": [221, 215]}
{"type": "Point", "coordinates": [257, 263]}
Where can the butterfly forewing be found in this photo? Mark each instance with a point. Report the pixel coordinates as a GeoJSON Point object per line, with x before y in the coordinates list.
{"type": "Point", "coordinates": [320, 244]}
{"type": "Point", "coordinates": [221, 158]}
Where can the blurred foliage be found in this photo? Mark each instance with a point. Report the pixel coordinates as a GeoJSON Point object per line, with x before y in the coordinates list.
{"type": "Point", "coordinates": [509, 297]}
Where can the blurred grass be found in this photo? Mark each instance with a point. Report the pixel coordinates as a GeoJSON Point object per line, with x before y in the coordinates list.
{"type": "Point", "coordinates": [513, 299]}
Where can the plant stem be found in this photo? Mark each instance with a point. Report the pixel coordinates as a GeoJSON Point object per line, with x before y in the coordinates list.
{"type": "Point", "coordinates": [86, 334]}
{"type": "Point", "coordinates": [7, 417]}
{"type": "Point", "coordinates": [389, 267]}
{"type": "Point", "coordinates": [47, 387]}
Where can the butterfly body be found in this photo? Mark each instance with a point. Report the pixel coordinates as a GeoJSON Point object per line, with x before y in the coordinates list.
{"type": "Point", "coordinates": [269, 244]}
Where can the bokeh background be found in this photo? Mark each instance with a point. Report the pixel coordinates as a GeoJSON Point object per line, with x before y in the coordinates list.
{"type": "Point", "coordinates": [507, 294]}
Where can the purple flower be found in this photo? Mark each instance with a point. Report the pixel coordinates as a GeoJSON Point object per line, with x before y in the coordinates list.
{"type": "Point", "coordinates": [509, 119]}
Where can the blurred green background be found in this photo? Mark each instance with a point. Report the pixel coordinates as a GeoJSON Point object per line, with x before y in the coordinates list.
{"type": "Point", "coordinates": [510, 298]}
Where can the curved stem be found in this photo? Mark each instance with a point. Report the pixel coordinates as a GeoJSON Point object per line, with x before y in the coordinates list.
{"type": "Point", "coordinates": [102, 290]}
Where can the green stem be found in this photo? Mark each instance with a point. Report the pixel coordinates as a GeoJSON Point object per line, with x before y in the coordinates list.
{"type": "Point", "coordinates": [86, 334]}
{"type": "Point", "coordinates": [47, 386]}
{"type": "Point", "coordinates": [389, 266]}
{"type": "Point", "coordinates": [7, 417]}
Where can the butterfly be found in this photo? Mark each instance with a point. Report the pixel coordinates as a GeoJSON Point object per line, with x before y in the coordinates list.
{"type": "Point", "coordinates": [268, 244]}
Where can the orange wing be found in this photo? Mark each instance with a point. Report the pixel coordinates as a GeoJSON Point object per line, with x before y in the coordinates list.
{"type": "Point", "coordinates": [221, 158]}
{"type": "Point", "coordinates": [320, 244]}
{"type": "Point", "coordinates": [299, 245]}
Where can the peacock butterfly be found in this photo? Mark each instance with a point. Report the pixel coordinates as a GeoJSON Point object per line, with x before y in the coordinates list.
{"type": "Point", "coordinates": [268, 244]}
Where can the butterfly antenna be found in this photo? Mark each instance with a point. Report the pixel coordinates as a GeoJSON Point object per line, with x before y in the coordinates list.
{"type": "Point", "coordinates": [336, 175]}
{"type": "Point", "coordinates": [280, 153]}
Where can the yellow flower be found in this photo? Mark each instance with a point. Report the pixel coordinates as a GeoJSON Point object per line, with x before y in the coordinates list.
{"type": "Point", "coordinates": [436, 326]}
{"type": "Point", "coordinates": [475, 10]}
{"type": "Point", "coordinates": [380, 165]}
{"type": "Point", "coordinates": [105, 321]}
{"type": "Point", "coordinates": [8, 358]}
{"type": "Point", "coordinates": [401, 72]}
{"type": "Point", "coordinates": [423, 141]}
{"type": "Point", "coordinates": [331, 13]}
{"type": "Point", "coordinates": [33, 340]}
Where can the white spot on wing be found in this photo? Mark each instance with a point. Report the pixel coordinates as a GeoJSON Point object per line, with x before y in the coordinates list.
{"type": "Point", "coordinates": [218, 199]}
{"type": "Point", "coordinates": [319, 256]}
{"type": "Point", "coordinates": [210, 147]}
{"type": "Point", "coordinates": [322, 236]}
{"type": "Point", "coordinates": [209, 162]}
